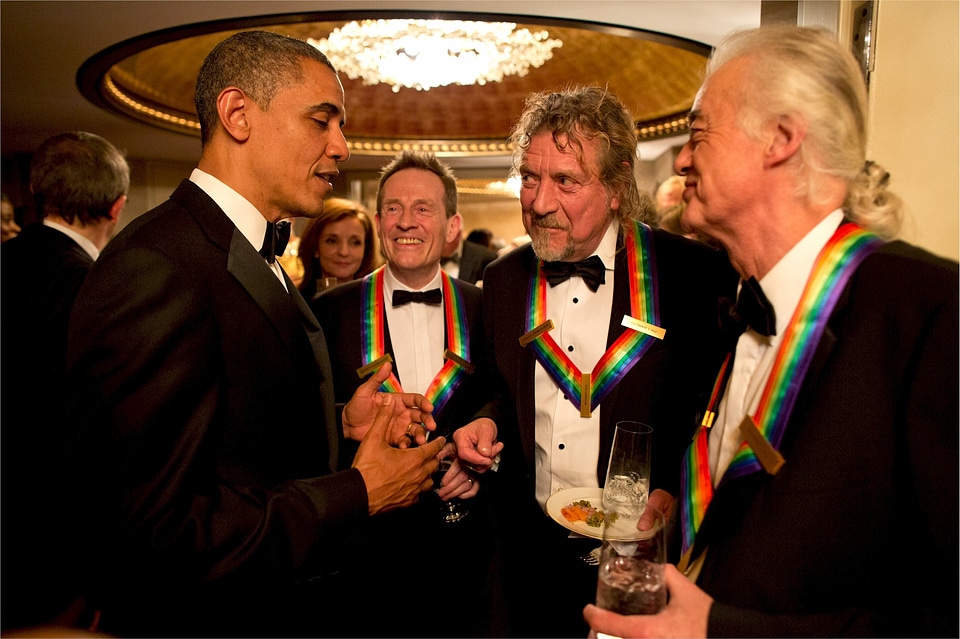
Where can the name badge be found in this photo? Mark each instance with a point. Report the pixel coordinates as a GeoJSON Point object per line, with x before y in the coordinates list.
{"type": "Point", "coordinates": [648, 329]}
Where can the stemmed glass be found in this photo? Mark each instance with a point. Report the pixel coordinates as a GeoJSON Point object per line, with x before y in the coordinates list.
{"type": "Point", "coordinates": [454, 509]}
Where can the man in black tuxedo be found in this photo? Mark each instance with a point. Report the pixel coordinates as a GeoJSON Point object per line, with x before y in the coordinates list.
{"type": "Point", "coordinates": [831, 504]}
{"type": "Point", "coordinates": [423, 337]}
{"type": "Point", "coordinates": [80, 182]}
{"type": "Point", "coordinates": [204, 409]}
{"type": "Point", "coordinates": [580, 202]}
{"type": "Point", "coordinates": [466, 260]}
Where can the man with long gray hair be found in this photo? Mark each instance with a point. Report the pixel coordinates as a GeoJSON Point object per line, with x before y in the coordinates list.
{"type": "Point", "coordinates": [823, 499]}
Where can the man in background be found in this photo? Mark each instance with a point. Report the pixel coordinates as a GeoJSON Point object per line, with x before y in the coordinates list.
{"type": "Point", "coordinates": [466, 260]}
{"type": "Point", "coordinates": [79, 182]}
{"type": "Point", "coordinates": [829, 505]}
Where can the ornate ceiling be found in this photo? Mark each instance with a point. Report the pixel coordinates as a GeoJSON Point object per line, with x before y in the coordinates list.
{"type": "Point", "coordinates": [152, 78]}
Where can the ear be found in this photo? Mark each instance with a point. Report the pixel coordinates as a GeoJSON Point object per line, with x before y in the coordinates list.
{"type": "Point", "coordinates": [232, 107]}
{"type": "Point", "coordinates": [788, 134]}
{"type": "Point", "coordinates": [117, 207]}
{"type": "Point", "coordinates": [453, 226]}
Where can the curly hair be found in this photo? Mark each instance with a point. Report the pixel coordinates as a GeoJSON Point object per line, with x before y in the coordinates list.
{"type": "Point", "coordinates": [588, 113]}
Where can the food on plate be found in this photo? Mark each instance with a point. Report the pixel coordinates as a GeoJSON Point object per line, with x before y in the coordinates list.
{"type": "Point", "coordinates": [583, 510]}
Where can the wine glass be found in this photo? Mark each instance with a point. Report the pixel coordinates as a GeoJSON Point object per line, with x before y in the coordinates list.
{"type": "Point", "coordinates": [627, 486]}
{"type": "Point", "coordinates": [323, 283]}
{"type": "Point", "coordinates": [454, 509]}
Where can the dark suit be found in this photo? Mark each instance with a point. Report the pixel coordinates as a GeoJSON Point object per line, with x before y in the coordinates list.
{"type": "Point", "coordinates": [473, 260]}
{"type": "Point", "coordinates": [664, 389]}
{"type": "Point", "coordinates": [207, 436]}
{"type": "Point", "coordinates": [42, 270]}
{"type": "Point", "coordinates": [857, 533]}
{"type": "Point", "coordinates": [451, 608]}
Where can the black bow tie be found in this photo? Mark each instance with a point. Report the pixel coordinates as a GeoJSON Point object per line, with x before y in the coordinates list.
{"type": "Point", "coordinates": [432, 296]}
{"type": "Point", "coordinates": [591, 270]}
{"type": "Point", "coordinates": [752, 310]}
{"type": "Point", "coordinates": [275, 240]}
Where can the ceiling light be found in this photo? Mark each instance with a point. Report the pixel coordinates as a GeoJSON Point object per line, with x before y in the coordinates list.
{"type": "Point", "coordinates": [422, 54]}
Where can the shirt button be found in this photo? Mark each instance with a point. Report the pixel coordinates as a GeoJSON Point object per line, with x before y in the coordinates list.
{"type": "Point", "coordinates": [576, 300]}
{"type": "Point", "coordinates": [570, 348]}
{"type": "Point", "coordinates": [561, 446]}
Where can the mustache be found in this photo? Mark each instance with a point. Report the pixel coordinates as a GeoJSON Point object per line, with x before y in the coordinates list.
{"type": "Point", "coordinates": [549, 221]}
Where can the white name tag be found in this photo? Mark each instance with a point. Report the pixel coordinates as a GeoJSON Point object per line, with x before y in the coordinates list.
{"type": "Point", "coordinates": [643, 327]}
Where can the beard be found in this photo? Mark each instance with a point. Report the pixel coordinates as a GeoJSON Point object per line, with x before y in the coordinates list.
{"type": "Point", "coordinates": [555, 252]}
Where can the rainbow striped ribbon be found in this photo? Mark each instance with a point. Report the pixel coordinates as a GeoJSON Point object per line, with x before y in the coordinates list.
{"type": "Point", "coordinates": [629, 347]}
{"type": "Point", "coordinates": [456, 356]}
{"type": "Point", "coordinates": [834, 266]}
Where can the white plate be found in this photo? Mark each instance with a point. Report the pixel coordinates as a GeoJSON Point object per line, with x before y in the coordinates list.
{"type": "Point", "coordinates": [564, 497]}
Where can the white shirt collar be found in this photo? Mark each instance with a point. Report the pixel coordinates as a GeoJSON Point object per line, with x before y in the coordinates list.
{"type": "Point", "coordinates": [391, 283]}
{"type": "Point", "coordinates": [84, 242]}
{"type": "Point", "coordinates": [241, 212]}
{"type": "Point", "coordinates": [607, 249]}
{"type": "Point", "coordinates": [785, 282]}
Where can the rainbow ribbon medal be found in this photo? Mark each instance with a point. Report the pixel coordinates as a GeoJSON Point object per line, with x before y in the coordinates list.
{"type": "Point", "coordinates": [456, 356]}
{"type": "Point", "coordinates": [764, 431]}
{"type": "Point", "coordinates": [587, 390]}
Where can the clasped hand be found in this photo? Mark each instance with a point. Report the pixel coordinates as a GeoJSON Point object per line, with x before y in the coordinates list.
{"type": "Point", "coordinates": [410, 421]}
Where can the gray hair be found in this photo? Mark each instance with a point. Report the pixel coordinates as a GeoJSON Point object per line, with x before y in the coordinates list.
{"type": "Point", "coordinates": [259, 63]}
{"type": "Point", "coordinates": [805, 70]}
{"type": "Point", "coordinates": [78, 176]}
{"type": "Point", "coordinates": [589, 113]}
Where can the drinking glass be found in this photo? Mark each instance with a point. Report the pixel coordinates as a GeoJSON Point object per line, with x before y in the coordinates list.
{"type": "Point", "coordinates": [324, 283]}
{"type": "Point", "coordinates": [627, 486]}
{"type": "Point", "coordinates": [451, 510]}
{"type": "Point", "coordinates": [631, 579]}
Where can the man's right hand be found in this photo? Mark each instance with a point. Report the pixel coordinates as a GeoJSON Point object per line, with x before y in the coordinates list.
{"type": "Point", "coordinates": [477, 445]}
{"type": "Point", "coordinates": [394, 477]}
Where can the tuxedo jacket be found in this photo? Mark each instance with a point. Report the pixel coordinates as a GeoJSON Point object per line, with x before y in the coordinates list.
{"type": "Point", "coordinates": [340, 312]}
{"type": "Point", "coordinates": [41, 271]}
{"type": "Point", "coordinates": [664, 389]}
{"type": "Point", "coordinates": [454, 612]}
{"type": "Point", "coordinates": [856, 535]}
{"type": "Point", "coordinates": [473, 260]}
{"type": "Point", "coordinates": [207, 440]}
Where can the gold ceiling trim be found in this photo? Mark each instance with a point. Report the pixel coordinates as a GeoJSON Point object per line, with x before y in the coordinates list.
{"type": "Point", "coordinates": [151, 79]}
{"type": "Point", "coordinates": [183, 123]}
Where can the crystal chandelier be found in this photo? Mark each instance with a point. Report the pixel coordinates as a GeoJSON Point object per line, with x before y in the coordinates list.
{"type": "Point", "coordinates": [422, 54]}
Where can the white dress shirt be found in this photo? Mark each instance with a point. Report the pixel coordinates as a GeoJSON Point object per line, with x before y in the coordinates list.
{"type": "Point", "coordinates": [755, 353]}
{"type": "Point", "coordinates": [244, 215]}
{"type": "Point", "coordinates": [568, 445]}
{"type": "Point", "coordinates": [417, 335]}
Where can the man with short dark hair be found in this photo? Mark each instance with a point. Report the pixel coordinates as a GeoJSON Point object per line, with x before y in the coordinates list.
{"type": "Point", "coordinates": [79, 181]}
{"type": "Point", "coordinates": [210, 499]}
